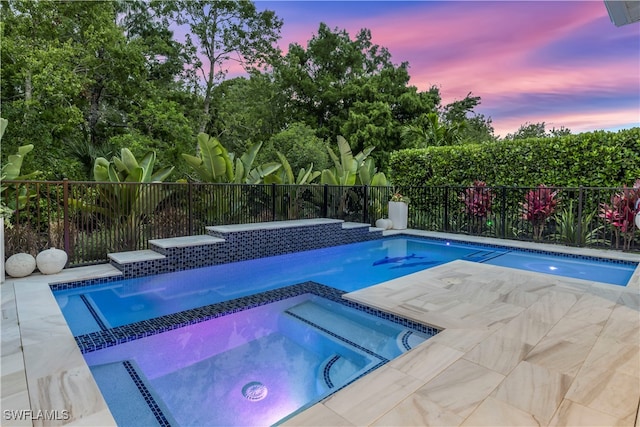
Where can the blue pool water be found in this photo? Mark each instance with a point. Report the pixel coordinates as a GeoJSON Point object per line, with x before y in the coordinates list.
{"type": "Point", "coordinates": [250, 368]}
{"type": "Point", "coordinates": [348, 268]}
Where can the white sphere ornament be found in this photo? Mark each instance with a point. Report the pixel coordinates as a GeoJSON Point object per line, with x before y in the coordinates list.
{"type": "Point", "coordinates": [51, 261]}
{"type": "Point", "coordinates": [638, 220]}
{"type": "Point", "coordinates": [385, 224]}
{"type": "Point", "coordinates": [20, 265]}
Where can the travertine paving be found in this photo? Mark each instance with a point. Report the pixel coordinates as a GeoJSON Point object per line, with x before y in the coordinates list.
{"type": "Point", "coordinates": [517, 348]}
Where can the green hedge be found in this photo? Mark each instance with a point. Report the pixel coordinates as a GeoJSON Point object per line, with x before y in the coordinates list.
{"type": "Point", "coordinates": [594, 159]}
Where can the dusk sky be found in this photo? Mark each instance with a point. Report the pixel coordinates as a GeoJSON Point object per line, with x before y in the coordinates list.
{"type": "Point", "coordinates": [562, 63]}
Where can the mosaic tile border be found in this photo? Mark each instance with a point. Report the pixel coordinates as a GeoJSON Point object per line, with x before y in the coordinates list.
{"type": "Point", "coordinates": [121, 334]}
{"type": "Point", "coordinates": [515, 249]}
{"type": "Point", "coordinates": [93, 312]}
{"type": "Point", "coordinates": [82, 283]}
{"type": "Point", "coordinates": [146, 394]}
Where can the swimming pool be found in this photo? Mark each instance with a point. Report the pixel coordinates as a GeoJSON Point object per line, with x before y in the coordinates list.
{"type": "Point", "coordinates": [159, 317]}
{"type": "Point", "coordinates": [254, 367]}
{"type": "Point", "coordinates": [348, 268]}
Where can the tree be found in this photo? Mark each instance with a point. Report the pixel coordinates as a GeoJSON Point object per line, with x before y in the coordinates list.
{"type": "Point", "coordinates": [246, 111]}
{"type": "Point", "coordinates": [300, 145]}
{"type": "Point", "coordinates": [536, 130]}
{"type": "Point", "coordinates": [343, 86]}
{"type": "Point", "coordinates": [83, 79]}
{"type": "Point", "coordinates": [225, 32]}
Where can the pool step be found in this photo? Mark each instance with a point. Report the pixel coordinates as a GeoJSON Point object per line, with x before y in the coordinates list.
{"type": "Point", "coordinates": [129, 396]}
{"type": "Point", "coordinates": [184, 241]}
{"type": "Point", "coordinates": [482, 256]}
{"type": "Point", "coordinates": [336, 370]}
{"type": "Point", "coordinates": [379, 340]}
{"type": "Point", "coordinates": [240, 242]}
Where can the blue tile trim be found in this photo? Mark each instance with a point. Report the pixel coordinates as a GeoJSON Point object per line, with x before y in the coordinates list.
{"type": "Point", "coordinates": [121, 334]}
{"type": "Point", "coordinates": [327, 370]}
{"type": "Point", "coordinates": [405, 340]}
{"type": "Point", "coordinates": [148, 398]}
{"type": "Point", "coordinates": [93, 312]}
{"type": "Point", "coordinates": [81, 283]}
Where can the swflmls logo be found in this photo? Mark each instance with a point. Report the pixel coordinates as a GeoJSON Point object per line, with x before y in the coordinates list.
{"type": "Point", "coordinates": [28, 414]}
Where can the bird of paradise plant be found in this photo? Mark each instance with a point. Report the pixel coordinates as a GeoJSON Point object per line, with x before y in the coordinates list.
{"type": "Point", "coordinates": [540, 203]}
{"type": "Point", "coordinates": [621, 214]}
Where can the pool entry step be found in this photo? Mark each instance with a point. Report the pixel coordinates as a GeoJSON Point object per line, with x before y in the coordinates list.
{"type": "Point", "coordinates": [378, 339]}
{"type": "Point", "coordinates": [482, 256]}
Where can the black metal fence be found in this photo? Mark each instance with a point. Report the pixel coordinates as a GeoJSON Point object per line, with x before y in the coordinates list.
{"type": "Point", "coordinates": [91, 219]}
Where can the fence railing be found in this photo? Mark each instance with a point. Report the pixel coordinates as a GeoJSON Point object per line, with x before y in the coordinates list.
{"type": "Point", "coordinates": [90, 219]}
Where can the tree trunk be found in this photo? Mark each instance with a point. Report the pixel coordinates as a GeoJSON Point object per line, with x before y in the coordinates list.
{"type": "Point", "coordinates": [28, 88]}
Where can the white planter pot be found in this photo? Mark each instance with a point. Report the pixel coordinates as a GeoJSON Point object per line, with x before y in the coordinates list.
{"type": "Point", "coordinates": [20, 265]}
{"type": "Point", "coordinates": [398, 214]}
{"type": "Point", "coordinates": [51, 261]}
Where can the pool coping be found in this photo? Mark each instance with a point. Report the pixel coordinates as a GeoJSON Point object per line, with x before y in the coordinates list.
{"type": "Point", "coordinates": [33, 326]}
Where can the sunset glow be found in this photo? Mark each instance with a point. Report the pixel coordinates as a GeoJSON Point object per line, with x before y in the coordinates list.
{"type": "Point", "coordinates": [562, 63]}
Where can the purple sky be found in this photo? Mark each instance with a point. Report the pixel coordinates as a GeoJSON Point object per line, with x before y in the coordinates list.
{"type": "Point", "coordinates": [562, 63]}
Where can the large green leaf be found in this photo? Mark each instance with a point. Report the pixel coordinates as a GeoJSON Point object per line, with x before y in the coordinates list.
{"type": "Point", "coordinates": [128, 160]}
{"type": "Point", "coordinates": [147, 163]}
{"type": "Point", "coordinates": [11, 170]}
{"type": "Point", "coordinates": [286, 167]}
{"type": "Point", "coordinates": [328, 177]}
{"type": "Point", "coordinates": [101, 169]}
{"type": "Point", "coordinates": [3, 125]}
{"type": "Point", "coordinates": [258, 174]}
{"type": "Point", "coordinates": [161, 174]}
{"type": "Point", "coordinates": [213, 158]}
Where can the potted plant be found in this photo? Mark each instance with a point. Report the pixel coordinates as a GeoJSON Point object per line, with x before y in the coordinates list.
{"type": "Point", "coordinates": [399, 211]}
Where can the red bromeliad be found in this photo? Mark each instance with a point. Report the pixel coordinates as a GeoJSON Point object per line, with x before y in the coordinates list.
{"type": "Point", "coordinates": [538, 206]}
{"type": "Point", "coordinates": [621, 213]}
{"type": "Point", "coordinates": [477, 203]}
{"type": "Point", "coordinates": [478, 199]}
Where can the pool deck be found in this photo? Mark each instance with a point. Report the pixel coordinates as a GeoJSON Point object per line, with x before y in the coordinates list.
{"type": "Point", "coordinates": [518, 348]}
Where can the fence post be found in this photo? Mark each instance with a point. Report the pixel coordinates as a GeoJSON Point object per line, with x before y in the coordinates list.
{"type": "Point", "coordinates": [365, 208]}
{"type": "Point", "coordinates": [503, 212]}
{"type": "Point", "coordinates": [273, 201]}
{"type": "Point", "coordinates": [325, 203]}
{"type": "Point", "coordinates": [579, 225]}
{"type": "Point", "coordinates": [65, 215]}
{"type": "Point", "coordinates": [446, 209]}
{"type": "Point", "coordinates": [190, 208]}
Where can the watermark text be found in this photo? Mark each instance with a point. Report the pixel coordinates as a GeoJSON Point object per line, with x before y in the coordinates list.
{"type": "Point", "coordinates": [29, 414]}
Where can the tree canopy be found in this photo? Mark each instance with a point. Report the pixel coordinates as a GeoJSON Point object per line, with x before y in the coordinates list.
{"type": "Point", "coordinates": [83, 80]}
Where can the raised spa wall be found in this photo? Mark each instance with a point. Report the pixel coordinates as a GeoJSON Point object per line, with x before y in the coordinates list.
{"type": "Point", "coordinates": [230, 243]}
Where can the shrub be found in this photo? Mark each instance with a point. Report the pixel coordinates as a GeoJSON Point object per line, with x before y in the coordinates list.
{"type": "Point", "coordinates": [597, 159]}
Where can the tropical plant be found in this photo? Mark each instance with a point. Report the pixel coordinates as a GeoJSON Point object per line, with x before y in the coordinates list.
{"type": "Point", "coordinates": [214, 163]}
{"type": "Point", "coordinates": [539, 205]}
{"type": "Point", "coordinates": [621, 213]}
{"type": "Point", "coordinates": [13, 196]}
{"type": "Point", "coordinates": [125, 195]}
{"type": "Point", "coordinates": [477, 203]}
{"type": "Point", "coordinates": [571, 229]}
{"type": "Point", "coordinates": [296, 200]}
{"type": "Point", "coordinates": [350, 171]}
